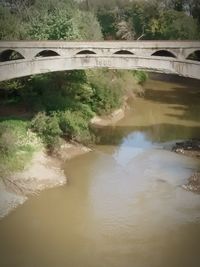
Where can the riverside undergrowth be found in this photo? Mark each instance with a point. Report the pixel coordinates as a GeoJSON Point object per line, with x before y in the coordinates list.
{"type": "Point", "coordinates": [59, 106]}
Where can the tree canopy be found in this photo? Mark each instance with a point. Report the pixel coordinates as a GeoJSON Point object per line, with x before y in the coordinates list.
{"type": "Point", "coordinates": [92, 19]}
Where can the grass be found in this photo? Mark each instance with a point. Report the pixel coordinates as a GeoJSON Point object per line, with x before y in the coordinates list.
{"type": "Point", "coordinates": [17, 145]}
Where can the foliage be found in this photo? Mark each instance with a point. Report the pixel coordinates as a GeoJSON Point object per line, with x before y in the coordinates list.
{"type": "Point", "coordinates": [140, 76]}
{"type": "Point", "coordinates": [152, 19]}
{"type": "Point", "coordinates": [107, 92]}
{"type": "Point", "coordinates": [107, 20]}
{"type": "Point", "coordinates": [174, 25]}
{"type": "Point", "coordinates": [17, 145]}
{"type": "Point", "coordinates": [47, 127]}
{"type": "Point", "coordinates": [58, 25]}
{"type": "Point", "coordinates": [88, 25]}
{"type": "Point", "coordinates": [65, 124]}
{"type": "Point", "coordinates": [7, 140]}
{"type": "Point", "coordinates": [10, 25]}
{"type": "Point", "coordinates": [47, 20]}
{"type": "Point", "coordinates": [121, 19]}
{"type": "Point", "coordinates": [73, 125]}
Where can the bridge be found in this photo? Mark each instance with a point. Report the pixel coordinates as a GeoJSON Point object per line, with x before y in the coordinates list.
{"type": "Point", "coordinates": [23, 58]}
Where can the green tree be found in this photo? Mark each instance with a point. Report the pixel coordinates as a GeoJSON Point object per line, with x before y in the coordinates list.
{"type": "Point", "coordinates": [173, 25]}
{"type": "Point", "coordinates": [57, 25]}
{"type": "Point", "coordinates": [11, 27]}
{"type": "Point", "coordinates": [88, 25]}
{"type": "Point", "coordinates": [107, 20]}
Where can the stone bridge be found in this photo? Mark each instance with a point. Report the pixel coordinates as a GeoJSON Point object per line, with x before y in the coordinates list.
{"type": "Point", "coordinates": [23, 58]}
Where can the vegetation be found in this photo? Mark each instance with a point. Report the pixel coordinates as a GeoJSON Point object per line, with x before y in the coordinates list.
{"type": "Point", "coordinates": [152, 19]}
{"type": "Point", "coordinates": [63, 103]}
{"type": "Point", "coordinates": [17, 145]}
{"type": "Point", "coordinates": [60, 105]}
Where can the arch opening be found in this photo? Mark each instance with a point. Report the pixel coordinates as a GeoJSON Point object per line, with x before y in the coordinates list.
{"type": "Point", "coordinates": [9, 55]}
{"type": "Point", "coordinates": [123, 52]}
{"type": "Point", "coordinates": [86, 52]}
{"type": "Point", "coordinates": [194, 56]}
{"type": "Point", "coordinates": [163, 53]}
{"type": "Point", "coordinates": [47, 53]}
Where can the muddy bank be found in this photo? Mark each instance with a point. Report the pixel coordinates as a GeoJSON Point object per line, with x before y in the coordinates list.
{"type": "Point", "coordinates": [102, 121]}
{"type": "Point", "coordinates": [42, 172]}
{"type": "Point", "coordinates": [45, 171]}
{"type": "Point", "coordinates": [190, 148]}
{"type": "Point", "coordinates": [114, 117]}
{"type": "Point", "coordinates": [69, 150]}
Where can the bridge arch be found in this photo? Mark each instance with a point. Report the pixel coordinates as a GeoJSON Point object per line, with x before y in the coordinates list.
{"type": "Point", "coordinates": [47, 53]}
{"type": "Point", "coordinates": [159, 56]}
{"type": "Point", "coordinates": [22, 68]}
{"type": "Point", "coordinates": [86, 52]}
{"type": "Point", "coordinates": [123, 52]}
{"type": "Point", "coordinates": [163, 53]}
{"type": "Point", "coordinates": [195, 55]}
{"type": "Point", "coordinates": [10, 54]}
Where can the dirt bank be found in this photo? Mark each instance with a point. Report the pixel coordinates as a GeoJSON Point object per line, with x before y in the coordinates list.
{"type": "Point", "coordinates": [46, 171]}
{"type": "Point", "coordinates": [42, 172]}
{"type": "Point", "coordinates": [114, 117]}
{"type": "Point", "coordinates": [190, 148]}
{"type": "Point", "coordinates": [108, 120]}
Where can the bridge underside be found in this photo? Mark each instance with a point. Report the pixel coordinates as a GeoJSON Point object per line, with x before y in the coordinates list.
{"type": "Point", "coordinates": [21, 68]}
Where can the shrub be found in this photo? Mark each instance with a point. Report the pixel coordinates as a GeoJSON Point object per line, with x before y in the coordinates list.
{"type": "Point", "coordinates": [71, 125]}
{"type": "Point", "coordinates": [17, 145]}
{"type": "Point", "coordinates": [141, 76]}
{"type": "Point", "coordinates": [74, 126]}
{"type": "Point", "coordinates": [47, 128]}
{"type": "Point", "coordinates": [7, 140]}
{"type": "Point", "coordinates": [107, 91]}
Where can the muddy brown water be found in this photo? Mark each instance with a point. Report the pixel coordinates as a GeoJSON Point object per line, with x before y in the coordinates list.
{"type": "Point", "coordinates": [123, 205]}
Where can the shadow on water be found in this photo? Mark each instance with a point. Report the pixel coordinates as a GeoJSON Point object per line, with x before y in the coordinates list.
{"type": "Point", "coordinates": [155, 133]}
{"type": "Point", "coordinates": [183, 96]}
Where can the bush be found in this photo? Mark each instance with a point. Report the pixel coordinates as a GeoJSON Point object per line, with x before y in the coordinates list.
{"type": "Point", "coordinates": [140, 76]}
{"type": "Point", "coordinates": [107, 91]}
{"type": "Point", "coordinates": [71, 125]}
{"type": "Point", "coordinates": [17, 145]}
{"type": "Point", "coordinates": [47, 128]}
{"type": "Point", "coordinates": [84, 109]}
{"type": "Point", "coordinates": [7, 140]}
{"type": "Point", "coordinates": [74, 126]}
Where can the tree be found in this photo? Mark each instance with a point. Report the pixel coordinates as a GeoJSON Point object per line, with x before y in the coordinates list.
{"type": "Point", "coordinates": [194, 9]}
{"type": "Point", "coordinates": [11, 27]}
{"type": "Point", "coordinates": [107, 20]}
{"type": "Point", "coordinates": [57, 25]}
{"type": "Point", "coordinates": [88, 25]}
{"type": "Point", "coordinates": [173, 25]}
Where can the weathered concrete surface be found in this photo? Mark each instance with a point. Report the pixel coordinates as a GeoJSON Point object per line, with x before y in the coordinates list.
{"type": "Point", "coordinates": [21, 68]}
{"type": "Point", "coordinates": [104, 56]}
{"type": "Point", "coordinates": [181, 49]}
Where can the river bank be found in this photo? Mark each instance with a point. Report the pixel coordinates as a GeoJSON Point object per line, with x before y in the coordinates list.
{"type": "Point", "coordinates": [46, 171]}
{"type": "Point", "coordinates": [190, 148]}
{"type": "Point", "coordinates": [43, 171]}
{"type": "Point", "coordinates": [114, 117]}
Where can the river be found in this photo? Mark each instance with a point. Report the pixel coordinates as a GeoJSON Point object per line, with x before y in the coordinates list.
{"type": "Point", "coordinates": [123, 204]}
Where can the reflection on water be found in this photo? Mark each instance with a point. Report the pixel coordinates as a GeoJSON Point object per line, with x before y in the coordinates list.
{"type": "Point", "coordinates": [123, 205]}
